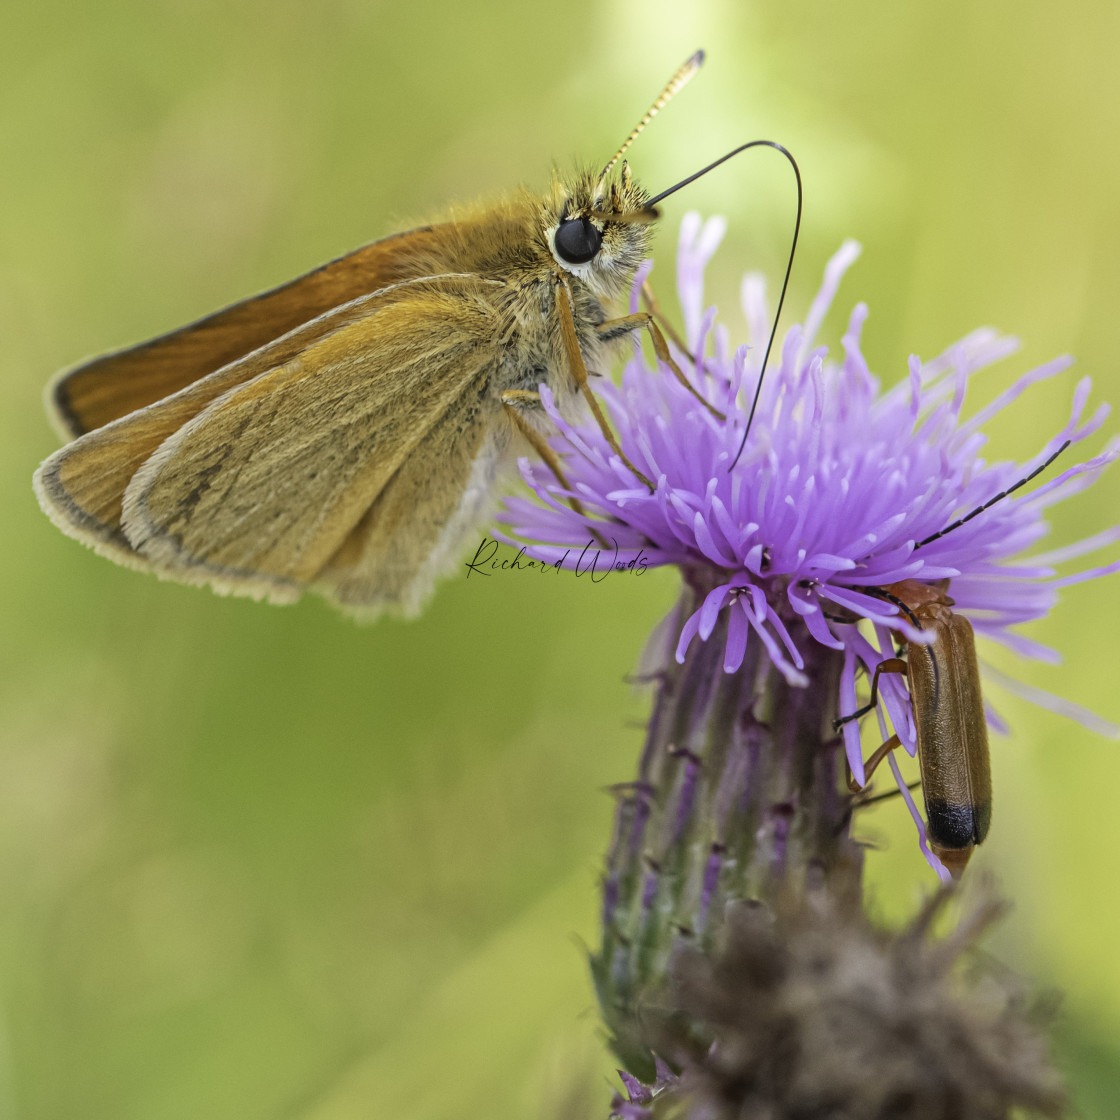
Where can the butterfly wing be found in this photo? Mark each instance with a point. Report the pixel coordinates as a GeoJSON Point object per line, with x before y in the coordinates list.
{"type": "Point", "coordinates": [412, 533]}
{"type": "Point", "coordinates": [81, 486]}
{"type": "Point", "coordinates": [267, 485]}
{"type": "Point", "coordinates": [97, 392]}
{"type": "Point", "coordinates": [272, 475]}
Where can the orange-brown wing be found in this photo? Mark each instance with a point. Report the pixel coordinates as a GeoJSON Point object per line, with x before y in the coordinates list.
{"type": "Point", "coordinates": [414, 531]}
{"type": "Point", "coordinates": [92, 394]}
{"type": "Point", "coordinates": [258, 492]}
{"type": "Point", "coordinates": [81, 486]}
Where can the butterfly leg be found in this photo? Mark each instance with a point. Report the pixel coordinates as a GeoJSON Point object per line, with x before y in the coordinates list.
{"type": "Point", "coordinates": [643, 320]}
{"type": "Point", "coordinates": [518, 401]}
{"type": "Point", "coordinates": [653, 306]}
{"type": "Point", "coordinates": [579, 374]}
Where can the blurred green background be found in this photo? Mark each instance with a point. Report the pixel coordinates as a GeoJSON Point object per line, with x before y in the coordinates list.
{"type": "Point", "coordinates": [259, 862]}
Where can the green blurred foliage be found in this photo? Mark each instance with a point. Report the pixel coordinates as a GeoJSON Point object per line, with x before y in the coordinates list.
{"type": "Point", "coordinates": [259, 862]}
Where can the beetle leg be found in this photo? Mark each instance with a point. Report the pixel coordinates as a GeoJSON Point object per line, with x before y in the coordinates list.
{"type": "Point", "coordinates": [888, 665]}
{"type": "Point", "coordinates": [862, 802]}
{"type": "Point", "coordinates": [872, 763]}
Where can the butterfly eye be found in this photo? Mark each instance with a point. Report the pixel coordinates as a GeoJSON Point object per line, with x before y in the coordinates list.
{"type": "Point", "coordinates": [577, 240]}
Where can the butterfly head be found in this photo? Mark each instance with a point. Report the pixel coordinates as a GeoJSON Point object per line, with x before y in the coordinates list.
{"type": "Point", "coordinates": [599, 230]}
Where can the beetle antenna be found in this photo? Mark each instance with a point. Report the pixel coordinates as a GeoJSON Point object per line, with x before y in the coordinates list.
{"type": "Point", "coordinates": [991, 501]}
{"type": "Point", "coordinates": [883, 593]}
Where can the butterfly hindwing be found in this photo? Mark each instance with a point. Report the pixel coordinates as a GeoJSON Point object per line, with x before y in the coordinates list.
{"type": "Point", "coordinates": [264, 486]}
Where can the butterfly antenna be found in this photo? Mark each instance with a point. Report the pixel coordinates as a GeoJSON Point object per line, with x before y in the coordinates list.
{"type": "Point", "coordinates": [789, 264]}
{"type": "Point", "coordinates": [777, 314]}
{"type": "Point", "coordinates": [675, 84]}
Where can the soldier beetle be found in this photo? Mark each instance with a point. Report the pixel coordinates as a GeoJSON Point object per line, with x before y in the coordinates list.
{"type": "Point", "coordinates": [949, 723]}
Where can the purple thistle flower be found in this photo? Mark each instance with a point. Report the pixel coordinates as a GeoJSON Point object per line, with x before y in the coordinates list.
{"type": "Point", "coordinates": [841, 488]}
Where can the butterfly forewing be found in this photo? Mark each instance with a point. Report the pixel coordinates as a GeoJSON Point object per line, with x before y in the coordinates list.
{"type": "Point", "coordinates": [94, 393]}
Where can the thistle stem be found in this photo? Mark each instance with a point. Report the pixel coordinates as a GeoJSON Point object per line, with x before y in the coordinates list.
{"type": "Point", "coordinates": [738, 796]}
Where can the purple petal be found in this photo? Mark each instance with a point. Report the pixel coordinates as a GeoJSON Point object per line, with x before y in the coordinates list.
{"type": "Point", "coordinates": [923, 842]}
